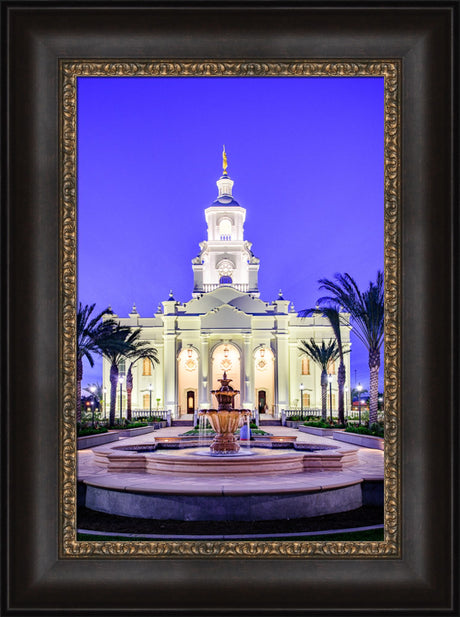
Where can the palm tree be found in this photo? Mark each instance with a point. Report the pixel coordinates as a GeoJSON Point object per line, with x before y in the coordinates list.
{"type": "Point", "coordinates": [323, 355]}
{"type": "Point", "coordinates": [367, 313]}
{"type": "Point", "coordinates": [92, 334]}
{"type": "Point", "coordinates": [335, 321]}
{"type": "Point", "coordinates": [140, 351]}
{"type": "Point", "coordinates": [121, 343]}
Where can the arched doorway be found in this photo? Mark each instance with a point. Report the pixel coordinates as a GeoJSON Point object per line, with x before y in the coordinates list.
{"type": "Point", "coordinates": [261, 400]}
{"type": "Point", "coordinates": [226, 358]}
{"type": "Point", "coordinates": [264, 379]}
{"type": "Point", "coordinates": [190, 401]}
{"type": "Point", "coordinates": [187, 365]}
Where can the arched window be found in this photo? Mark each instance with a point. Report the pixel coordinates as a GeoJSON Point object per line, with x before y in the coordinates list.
{"type": "Point", "coordinates": [225, 229]}
{"type": "Point", "coordinates": [122, 367]}
{"type": "Point", "coordinates": [306, 366]}
{"type": "Point", "coordinates": [306, 399]}
{"type": "Point", "coordinates": [146, 367]}
{"type": "Point", "coordinates": [225, 280]}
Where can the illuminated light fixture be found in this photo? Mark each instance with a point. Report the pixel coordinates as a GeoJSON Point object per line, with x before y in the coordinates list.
{"type": "Point", "coordinates": [262, 352]}
{"type": "Point", "coordinates": [225, 351]}
{"type": "Point", "coordinates": [189, 352]}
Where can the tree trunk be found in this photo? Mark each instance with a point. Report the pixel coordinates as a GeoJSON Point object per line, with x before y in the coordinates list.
{"type": "Point", "coordinates": [341, 376]}
{"type": "Point", "coordinates": [374, 365]}
{"type": "Point", "coordinates": [129, 389]}
{"type": "Point", "coordinates": [113, 392]}
{"type": "Point", "coordinates": [324, 396]}
{"type": "Point", "coordinates": [79, 378]}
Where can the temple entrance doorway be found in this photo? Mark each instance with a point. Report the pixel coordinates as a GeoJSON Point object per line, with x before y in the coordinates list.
{"type": "Point", "coordinates": [264, 380]}
{"type": "Point", "coordinates": [226, 358]}
{"type": "Point", "coordinates": [187, 387]}
{"type": "Point", "coordinates": [190, 401]}
{"type": "Point", "coordinates": [262, 397]}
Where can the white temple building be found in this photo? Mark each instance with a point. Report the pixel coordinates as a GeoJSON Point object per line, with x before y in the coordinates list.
{"type": "Point", "coordinates": [225, 326]}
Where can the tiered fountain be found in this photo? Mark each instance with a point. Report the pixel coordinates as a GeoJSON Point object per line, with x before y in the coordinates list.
{"type": "Point", "coordinates": [276, 485]}
{"type": "Point", "coordinates": [225, 420]}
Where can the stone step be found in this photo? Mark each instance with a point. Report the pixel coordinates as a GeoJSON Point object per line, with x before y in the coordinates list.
{"type": "Point", "coordinates": [181, 422]}
{"type": "Point", "coordinates": [269, 422]}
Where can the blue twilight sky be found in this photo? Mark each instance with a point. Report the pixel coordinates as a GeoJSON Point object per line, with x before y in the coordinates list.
{"type": "Point", "coordinates": [307, 158]}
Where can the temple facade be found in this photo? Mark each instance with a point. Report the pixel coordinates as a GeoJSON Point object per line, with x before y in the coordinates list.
{"type": "Point", "coordinates": [226, 326]}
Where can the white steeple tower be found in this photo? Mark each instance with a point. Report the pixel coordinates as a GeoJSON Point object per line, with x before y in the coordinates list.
{"type": "Point", "coordinates": [226, 258]}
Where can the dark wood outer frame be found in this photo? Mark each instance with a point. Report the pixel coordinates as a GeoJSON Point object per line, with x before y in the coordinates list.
{"type": "Point", "coordinates": [38, 35]}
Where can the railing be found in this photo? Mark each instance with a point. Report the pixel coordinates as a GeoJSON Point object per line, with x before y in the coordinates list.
{"type": "Point", "coordinates": [354, 415]}
{"type": "Point", "coordinates": [146, 413]}
{"type": "Point", "coordinates": [316, 413]}
{"type": "Point", "coordinates": [302, 413]}
{"type": "Point", "coordinates": [211, 286]}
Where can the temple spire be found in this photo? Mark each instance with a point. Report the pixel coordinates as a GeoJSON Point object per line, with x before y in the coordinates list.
{"type": "Point", "coordinates": [224, 161]}
{"type": "Point", "coordinates": [225, 183]}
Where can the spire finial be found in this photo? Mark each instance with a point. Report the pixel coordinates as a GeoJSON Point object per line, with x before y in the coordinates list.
{"type": "Point", "coordinates": [224, 161]}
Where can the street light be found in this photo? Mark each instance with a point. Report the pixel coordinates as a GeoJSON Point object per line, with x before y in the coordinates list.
{"type": "Point", "coordinates": [301, 399]}
{"type": "Point", "coordinates": [346, 402]}
{"type": "Point", "coordinates": [359, 388]}
{"type": "Point", "coordinates": [92, 390]}
{"type": "Point", "coordinates": [150, 390]}
{"type": "Point", "coordinates": [105, 403]}
{"type": "Point", "coordinates": [329, 378]}
{"type": "Point", "coordinates": [120, 381]}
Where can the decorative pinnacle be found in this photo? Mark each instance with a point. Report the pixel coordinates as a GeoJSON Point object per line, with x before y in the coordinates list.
{"type": "Point", "coordinates": [224, 161]}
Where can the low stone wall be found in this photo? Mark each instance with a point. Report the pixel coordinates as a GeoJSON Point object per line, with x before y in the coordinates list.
{"type": "Point", "coordinates": [134, 432]}
{"type": "Point", "coordinates": [91, 441]}
{"type": "Point", "coordinates": [232, 507]}
{"type": "Point", "coordinates": [321, 432]}
{"type": "Point", "coordinates": [363, 441]}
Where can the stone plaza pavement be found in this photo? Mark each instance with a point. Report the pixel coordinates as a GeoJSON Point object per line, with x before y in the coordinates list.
{"type": "Point", "coordinates": [370, 467]}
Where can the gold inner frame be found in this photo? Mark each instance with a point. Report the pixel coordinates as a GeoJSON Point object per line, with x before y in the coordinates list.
{"type": "Point", "coordinates": [69, 546]}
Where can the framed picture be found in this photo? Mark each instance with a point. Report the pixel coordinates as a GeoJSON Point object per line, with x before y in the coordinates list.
{"type": "Point", "coordinates": [48, 51]}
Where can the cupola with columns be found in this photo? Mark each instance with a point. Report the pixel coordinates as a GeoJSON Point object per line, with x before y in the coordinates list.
{"type": "Point", "coordinates": [226, 258]}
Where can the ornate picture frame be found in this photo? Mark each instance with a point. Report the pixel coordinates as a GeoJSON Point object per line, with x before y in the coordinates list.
{"type": "Point", "coordinates": [47, 568]}
{"type": "Point", "coordinates": [162, 68]}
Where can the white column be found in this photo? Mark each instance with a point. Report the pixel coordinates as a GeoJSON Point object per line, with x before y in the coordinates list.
{"type": "Point", "coordinates": [282, 362]}
{"type": "Point", "coordinates": [248, 373]}
{"type": "Point", "coordinates": [203, 373]}
{"type": "Point", "coordinates": [170, 371]}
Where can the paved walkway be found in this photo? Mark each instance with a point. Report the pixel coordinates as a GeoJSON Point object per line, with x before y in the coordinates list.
{"type": "Point", "coordinates": [370, 466]}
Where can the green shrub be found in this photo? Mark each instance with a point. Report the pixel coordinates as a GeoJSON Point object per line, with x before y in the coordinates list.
{"type": "Point", "coordinates": [322, 424]}
{"type": "Point", "coordinates": [376, 429]}
{"type": "Point", "coordinates": [125, 424]}
{"type": "Point", "coordinates": [84, 432]}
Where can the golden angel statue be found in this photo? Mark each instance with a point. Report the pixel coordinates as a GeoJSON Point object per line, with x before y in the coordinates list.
{"type": "Point", "coordinates": [224, 161]}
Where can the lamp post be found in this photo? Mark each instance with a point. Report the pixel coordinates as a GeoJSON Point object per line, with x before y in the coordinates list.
{"type": "Point", "coordinates": [93, 390]}
{"type": "Point", "coordinates": [105, 403]}
{"type": "Point", "coordinates": [150, 391]}
{"type": "Point", "coordinates": [346, 402]}
{"type": "Point", "coordinates": [359, 388]}
{"type": "Point", "coordinates": [120, 381]}
{"type": "Point", "coordinates": [329, 378]}
{"type": "Point", "coordinates": [301, 399]}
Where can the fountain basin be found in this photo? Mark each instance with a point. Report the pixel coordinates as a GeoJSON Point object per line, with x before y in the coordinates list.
{"type": "Point", "coordinates": [147, 459]}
